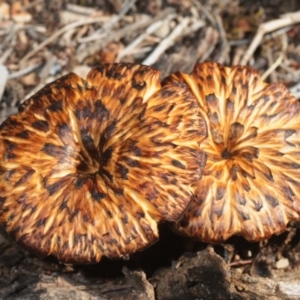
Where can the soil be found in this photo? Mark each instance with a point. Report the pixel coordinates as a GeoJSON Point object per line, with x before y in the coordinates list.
{"type": "Point", "coordinates": [219, 30]}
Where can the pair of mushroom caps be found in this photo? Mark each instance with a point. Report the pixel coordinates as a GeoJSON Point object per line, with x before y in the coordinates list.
{"type": "Point", "coordinates": [90, 167]}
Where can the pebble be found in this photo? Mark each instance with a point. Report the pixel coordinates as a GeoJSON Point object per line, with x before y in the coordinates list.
{"type": "Point", "coordinates": [282, 263]}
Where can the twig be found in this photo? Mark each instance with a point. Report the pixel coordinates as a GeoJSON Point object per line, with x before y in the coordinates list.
{"type": "Point", "coordinates": [118, 34]}
{"type": "Point", "coordinates": [240, 263]}
{"type": "Point", "coordinates": [6, 55]}
{"type": "Point", "coordinates": [194, 26]}
{"type": "Point", "coordinates": [6, 27]}
{"type": "Point", "coordinates": [225, 46]}
{"type": "Point", "coordinates": [83, 10]}
{"type": "Point", "coordinates": [150, 29]}
{"type": "Point", "coordinates": [99, 35]}
{"type": "Point", "coordinates": [278, 60]}
{"type": "Point", "coordinates": [208, 44]}
{"type": "Point", "coordinates": [107, 27]}
{"type": "Point", "coordinates": [238, 53]}
{"type": "Point", "coordinates": [285, 20]}
{"type": "Point", "coordinates": [12, 34]}
{"type": "Point", "coordinates": [140, 52]}
{"type": "Point", "coordinates": [206, 12]}
{"type": "Point", "coordinates": [167, 42]}
{"type": "Point", "coordinates": [24, 71]}
{"type": "Point", "coordinates": [292, 74]}
{"type": "Point", "coordinates": [3, 79]}
{"type": "Point", "coordinates": [51, 60]}
{"type": "Point", "coordinates": [127, 6]}
{"type": "Point", "coordinates": [53, 37]}
{"type": "Point", "coordinates": [238, 43]}
{"type": "Point", "coordinates": [84, 51]}
{"type": "Point", "coordinates": [277, 33]}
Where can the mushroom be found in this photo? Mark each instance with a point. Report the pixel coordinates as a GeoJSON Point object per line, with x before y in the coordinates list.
{"type": "Point", "coordinates": [89, 167]}
{"type": "Point", "coordinates": [251, 181]}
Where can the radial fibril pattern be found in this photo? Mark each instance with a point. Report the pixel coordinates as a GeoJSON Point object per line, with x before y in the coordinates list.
{"type": "Point", "coordinates": [87, 170]}
{"type": "Point", "coordinates": [251, 181]}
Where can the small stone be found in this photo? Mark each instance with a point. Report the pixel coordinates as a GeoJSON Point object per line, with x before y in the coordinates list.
{"type": "Point", "coordinates": [282, 263]}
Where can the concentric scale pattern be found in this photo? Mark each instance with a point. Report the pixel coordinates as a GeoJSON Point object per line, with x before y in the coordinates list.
{"type": "Point", "coordinates": [251, 181]}
{"type": "Point", "coordinates": [89, 167]}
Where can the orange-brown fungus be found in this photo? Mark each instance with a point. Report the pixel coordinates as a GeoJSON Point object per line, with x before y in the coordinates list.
{"type": "Point", "coordinates": [88, 167]}
{"type": "Point", "coordinates": [251, 181]}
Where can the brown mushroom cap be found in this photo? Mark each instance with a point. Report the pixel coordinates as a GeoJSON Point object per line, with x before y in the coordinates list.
{"type": "Point", "coordinates": [87, 169]}
{"type": "Point", "coordinates": [251, 182]}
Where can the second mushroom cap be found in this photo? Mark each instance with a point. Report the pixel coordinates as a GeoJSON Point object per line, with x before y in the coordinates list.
{"type": "Point", "coordinates": [251, 181]}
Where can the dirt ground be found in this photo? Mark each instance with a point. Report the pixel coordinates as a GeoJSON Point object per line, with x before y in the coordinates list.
{"type": "Point", "coordinates": [42, 40]}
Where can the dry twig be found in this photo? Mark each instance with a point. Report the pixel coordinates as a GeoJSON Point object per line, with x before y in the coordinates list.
{"type": "Point", "coordinates": [107, 27]}
{"type": "Point", "coordinates": [149, 30]}
{"type": "Point", "coordinates": [285, 20]}
{"type": "Point", "coordinates": [118, 34]}
{"type": "Point", "coordinates": [180, 30]}
{"type": "Point", "coordinates": [3, 79]}
{"type": "Point", "coordinates": [225, 48]}
{"type": "Point", "coordinates": [58, 33]}
{"type": "Point", "coordinates": [24, 71]}
{"type": "Point", "coordinates": [278, 61]}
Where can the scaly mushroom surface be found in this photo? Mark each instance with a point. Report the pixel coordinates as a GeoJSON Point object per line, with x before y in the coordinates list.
{"type": "Point", "coordinates": [89, 167]}
{"type": "Point", "coordinates": [251, 181]}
